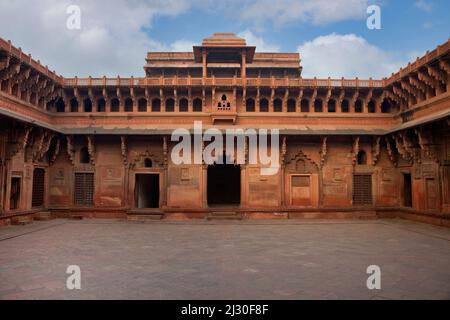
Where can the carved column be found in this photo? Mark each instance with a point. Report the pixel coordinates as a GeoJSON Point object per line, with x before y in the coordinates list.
{"type": "Point", "coordinates": [283, 170]}
{"type": "Point", "coordinates": [163, 101]}
{"type": "Point", "coordinates": [175, 97]}
{"type": "Point", "coordinates": [312, 102]}
{"type": "Point", "coordinates": [285, 100]}
{"type": "Point", "coordinates": [190, 107]}
{"type": "Point", "coordinates": [258, 98]}
{"type": "Point", "coordinates": [124, 153]}
{"type": "Point", "coordinates": [121, 100]}
{"type": "Point", "coordinates": [272, 97]}
{"type": "Point", "coordinates": [204, 71]}
{"type": "Point", "coordinates": [166, 170]}
{"type": "Point", "coordinates": [244, 65]}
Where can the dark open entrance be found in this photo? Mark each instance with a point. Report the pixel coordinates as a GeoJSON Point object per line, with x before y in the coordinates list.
{"type": "Point", "coordinates": [147, 191]}
{"type": "Point", "coordinates": [224, 185]}
{"type": "Point", "coordinates": [14, 199]}
{"type": "Point", "coordinates": [407, 191]}
{"type": "Point", "coordinates": [37, 198]}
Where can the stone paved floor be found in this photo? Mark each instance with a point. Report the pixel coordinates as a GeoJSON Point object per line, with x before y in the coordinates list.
{"type": "Point", "coordinates": [293, 259]}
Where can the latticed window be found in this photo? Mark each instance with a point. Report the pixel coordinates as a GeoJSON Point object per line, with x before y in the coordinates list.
{"type": "Point", "coordinates": [38, 188]}
{"type": "Point", "coordinates": [84, 189]}
{"type": "Point", "coordinates": [362, 189]}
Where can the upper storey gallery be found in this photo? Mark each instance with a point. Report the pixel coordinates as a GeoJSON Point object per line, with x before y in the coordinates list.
{"type": "Point", "coordinates": [223, 74]}
{"type": "Point", "coordinates": [223, 55]}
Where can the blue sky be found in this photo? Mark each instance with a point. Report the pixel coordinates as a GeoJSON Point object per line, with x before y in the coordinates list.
{"type": "Point", "coordinates": [331, 36]}
{"type": "Point", "coordinates": [407, 26]}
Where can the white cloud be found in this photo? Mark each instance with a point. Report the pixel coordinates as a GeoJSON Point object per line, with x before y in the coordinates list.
{"type": "Point", "coordinates": [317, 12]}
{"type": "Point", "coordinates": [182, 45]}
{"type": "Point", "coordinates": [261, 45]}
{"type": "Point", "coordinates": [111, 41]}
{"type": "Point", "coordinates": [115, 37]}
{"type": "Point", "coordinates": [423, 5]}
{"type": "Point", "coordinates": [346, 56]}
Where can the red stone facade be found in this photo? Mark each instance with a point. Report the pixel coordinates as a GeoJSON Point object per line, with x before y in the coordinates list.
{"type": "Point", "coordinates": [100, 147]}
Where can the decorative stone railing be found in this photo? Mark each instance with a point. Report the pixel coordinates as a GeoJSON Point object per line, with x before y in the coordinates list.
{"type": "Point", "coordinates": [214, 81]}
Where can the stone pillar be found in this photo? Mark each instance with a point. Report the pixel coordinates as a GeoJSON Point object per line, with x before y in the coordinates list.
{"type": "Point", "coordinates": [244, 65]}
{"type": "Point", "coordinates": [258, 97]}
{"type": "Point", "coordinates": [176, 104]}
{"type": "Point", "coordinates": [163, 101]}
{"type": "Point", "coordinates": [272, 97]}
{"type": "Point", "coordinates": [204, 73]}
{"type": "Point", "coordinates": [190, 106]}
{"type": "Point", "coordinates": [107, 104]}
{"type": "Point", "coordinates": [325, 105]}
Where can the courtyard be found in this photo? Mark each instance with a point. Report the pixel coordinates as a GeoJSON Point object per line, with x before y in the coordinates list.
{"type": "Point", "coordinates": [253, 259]}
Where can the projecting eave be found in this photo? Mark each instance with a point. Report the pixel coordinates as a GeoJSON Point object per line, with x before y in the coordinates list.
{"type": "Point", "coordinates": [250, 51]}
{"type": "Point", "coordinates": [300, 130]}
{"type": "Point", "coordinates": [440, 115]}
{"type": "Point", "coordinates": [172, 65]}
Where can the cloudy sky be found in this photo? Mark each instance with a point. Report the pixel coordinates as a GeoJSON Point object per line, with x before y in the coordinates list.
{"type": "Point", "coordinates": [331, 36]}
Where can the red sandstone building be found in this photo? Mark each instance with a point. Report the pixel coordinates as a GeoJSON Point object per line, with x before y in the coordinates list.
{"type": "Point", "coordinates": [100, 147]}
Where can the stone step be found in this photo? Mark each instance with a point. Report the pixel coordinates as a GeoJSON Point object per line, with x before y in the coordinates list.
{"type": "Point", "coordinates": [145, 217]}
{"type": "Point", "coordinates": [369, 215]}
{"type": "Point", "coordinates": [21, 220]}
{"type": "Point", "coordinates": [43, 216]}
{"type": "Point", "coordinates": [224, 215]}
{"type": "Point", "coordinates": [75, 216]}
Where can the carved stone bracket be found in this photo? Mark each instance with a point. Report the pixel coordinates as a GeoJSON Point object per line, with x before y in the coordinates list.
{"type": "Point", "coordinates": [355, 150]}
{"type": "Point", "coordinates": [341, 96]}
{"type": "Point", "coordinates": [26, 137]}
{"type": "Point", "coordinates": [91, 149]}
{"type": "Point", "coordinates": [417, 84]}
{"type": "Point", "coordinates": [70, 149]}
{"type": "Point", "coordinates": [391, 153]}
{"type": "Point", "coordinates": [56, 152]}
{"type": "Point", "coordinates": [43, 146]}
{"type": "Point", "coordinates": [376, 150]}
{"type": "Point", "coordinates": [47, 145]}
{"type": "Point", "coordinates": [445, 65]}
{"type": "Point", "coordinates": [328, 96]}
{"type": "Point", "coordinates": [437, 74]}
{"type": "Point", "coordinates": [425, 78]}
{"type": "Point", "coordinates": [401, 147]}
